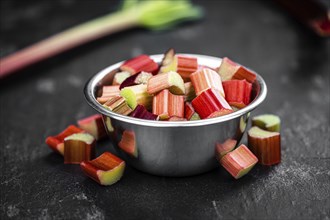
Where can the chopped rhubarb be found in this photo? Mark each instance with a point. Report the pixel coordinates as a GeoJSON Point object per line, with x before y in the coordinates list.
{"type": "Point", "coordinates": [227, 69]}
{"type": "Point", "coordinates": [189, 92]}
{"type": "Point", "coordinates": [79, 147]}
{"type": "Point", "coordinates": [265, 145]}
{"type": "Point", "coordinates": [140, 63]}
{"type": "Point", "coordinates": [176, 118]}
{"type": "Point", "coordinates": [137, 94]}
{"type": "Point", "coordinates": [225, 147]}
{"type": "Point", "coordinates": [186, 66]}
{"type": "Point", "coordinates": [141, 112]}
{"type": "Point", "coordinates": [136, 79]}
{"type": "Point", "coordinates": [165, 105]}
{"type": "Point", "coordinates": [108, 92]}
{"type": "Point", "coordinates": [170, 80]}
{"type": "Point", "coordinates": [211, 103]}
{"type": "Point", "coordinates": [128, 144]}
{"type": "Point", "coordinates": [120, 77]}
{"type": "Point", "coordinates": [267, 122]}
{"type": "Point", "coordinates": [56, 143]}
{"type": "Point", "coordinates": [168, 63]}
{"type": "Point", "coordinates": [239, 161]}
{"type": "Point", "coordinates": [244, 73]}
{"type": "Point", "coordinates": [238, 92]}
{"type": "Point", "coordinates": [189, 112]}
{"type": "Point", "coordinates": [205, 79]}
{"type": "Point", "coordinates": [106, 169]}
{"type": "Point", "coordinates": [118, 105]}
{"type": "Point", "coordinates": [94, 126]}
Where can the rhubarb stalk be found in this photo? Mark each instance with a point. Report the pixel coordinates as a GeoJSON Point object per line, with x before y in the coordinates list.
{"type": "Point", "coordinates": [154, 15]}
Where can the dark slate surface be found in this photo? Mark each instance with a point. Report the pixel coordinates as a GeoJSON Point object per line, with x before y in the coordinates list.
{"type": "Point", "coordinates": [44, 99]}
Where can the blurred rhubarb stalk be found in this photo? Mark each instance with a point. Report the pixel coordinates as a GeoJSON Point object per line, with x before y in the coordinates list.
{"type": "Point", "coordinates": [153, 15]}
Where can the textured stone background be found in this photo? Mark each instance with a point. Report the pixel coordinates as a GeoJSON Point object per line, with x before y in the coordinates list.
{"type": "Point", "coordinates": [44, 99]}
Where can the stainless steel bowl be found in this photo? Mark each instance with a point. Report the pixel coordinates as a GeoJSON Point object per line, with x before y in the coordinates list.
{"type": "Point", "coordinates": [171, 148]}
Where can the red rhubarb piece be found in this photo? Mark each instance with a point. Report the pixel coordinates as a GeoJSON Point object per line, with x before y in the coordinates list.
{"type": "Point", "coordinates": [239, 162]}
{"type": "Point", "coordinates": [140, 63]}
{"type": "Point", "coordinates": [211, 103]}
{"type": "Point", "coordinates": [186, 66]}
{"type": "Point", "coordinates": [136, 79]}
{"type": "Point", "coordinates": [94, 126]}
{"type": "Point", "coordinates": [107, 169]}
{"type": "Point", "coordinates": [165, 105]}
{"type": "Point", "coordinates": [244, 73]}
{"type": "Point", "coordinates": [141, 112]}
{"type": "Point", "coordinates": [205, 79]}
{"type": "Point", "coordinates": [56, 143]}
{"type": "Point", "coordinates": [79, 147]}
{"type": "Point", "coordinates": [108, 92]}
{"type": "Point", "coordinates": [227, 69]}
{"type": "Point", "coordinates": [238, 92]}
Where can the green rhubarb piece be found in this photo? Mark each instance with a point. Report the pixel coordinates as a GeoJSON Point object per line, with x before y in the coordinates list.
{"type": "Point", "coordinates": [120, 77]}
{"type": "Point", "coordinates": [85, 137]}
{"type": "Point", "coordinates": [267, 122]}
{"type": "Point", "coordinates": [194, 117]}
{"type": "Point", "coordinates": [135, 95]}
{"type": "Point", "coordinates": [260, 133]}
{"type": "Point", "coordinates": [177, 83]}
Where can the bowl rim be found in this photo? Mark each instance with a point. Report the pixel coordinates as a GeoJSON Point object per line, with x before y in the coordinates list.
{"type": "Point", "coordinates": [93, 82]}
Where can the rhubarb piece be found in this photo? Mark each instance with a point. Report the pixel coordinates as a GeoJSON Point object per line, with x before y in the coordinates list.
{"type": "Point", "coordinates": [168, 63]}
{"type": "Point", "coordinates": [141, 112]}
{"type": "Point", "coordinates": [267, 122]}
{"type": "Point", "coordinates": [238, 92]}
{"type": "Point", "coordinates": [170, 80]}
{"type": "Point", "coordinates": [79, 147]}
{"type": "Point", "coordinates": [120, 77]}
{"type": "Point", "coordinates": [205, 79]}
{"type": "Point", "coordinates": [265, 145]}
{"type": "Point", "coordinates": [189, 112]}
{"type": "Point", "coordinates": [135, 95]}
{"type": "Point", "coordinates": [244, 73]}
{"type": "Point", "coordinates": [165, 105]}
{"type": "Point", "coordinates": [108, 92]}
{"type": "Point", "coordinates": [225, 147]}
{"type": "Point", "coordinates": [176, 118]}
{"type": "Point", "coordinates": [136, 79]}
{"type": "Point", "coordinates": [186, 66]}
{"type": "Point", "coordinates": [239, 162]}
{"type": "Point", "coordinates": [211, 103]}
{"type": "Point", "coordinates": [140, 63]}
{"type": "Point", "coordinates": [56, 143]}
{"type": "Point", "coordinates": [128, 144]}
{"type": "Point", "coordinates": [118, 105]}
{"type": "Point", "coordinates": [94, 126]}
{"type": "Point", "coordinates": [189, 92]}
{"type": "Point", "coordinates": [106, 169]}
{"type": "Point", "coordinates": [227, 69]}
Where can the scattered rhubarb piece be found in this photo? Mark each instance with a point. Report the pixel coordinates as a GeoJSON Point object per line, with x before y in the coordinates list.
{"type": "Point", "coordinates": [205, 79]}
{"type": "Point", "coordinates": [170, 80]}
{"type": "Point", "coordinates": [108, 92]}
{"type": "Point", "coordinates": [136, 79]}
{"type": "Point", "coordinates": [56, 143]}
{"type": "Point", "coordinates": [141, 112]}
{"type": "Point", "coordinates": [140, 63]}
{"type": "Point", "coordinates": [238, 92]}
{"type": "Point", "coordinates": [225, 147]}
{"type": "Point", "coordinates": [239, 162]}
{"type": "Point", "coordinates": [94, 126]}
{"type": "Point", "coordinates": [211, 103]}
{"type": "Point", "coordinates": [168, 63]}
{"type": "Point", "coordinates": [265, 145]}
{"type": "Point", "coordinates": [189, 92]}
{"type": "Point", "coordinates": [227, 69]}
{"type": "Point", "coordinates": [165, 105]}
{"type": "Point", "coordinates": [267, 122]}
{"type": "Point", "coordinates": [135, 95]}
{"type": "Point", "coordinates": [186, 66]}
{"type": "Point", "coordinates": [128, 144]}
{"type": "Point", "coordinates": [106, 169]}
{"type": "Point", "coordinates": [244, 73]}
{"type": "Point", "coordinates": [118, 105]}
{"type": "Point", "coordinates": [120, 77]}
{"type": "Point", "coordinates": [189, 112]}
{"type": "Point", "coordinates": [79, 147]}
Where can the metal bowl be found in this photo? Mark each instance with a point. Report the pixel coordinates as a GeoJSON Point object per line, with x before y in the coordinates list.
{"type": "Point", "coordinates": [171, 148]}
